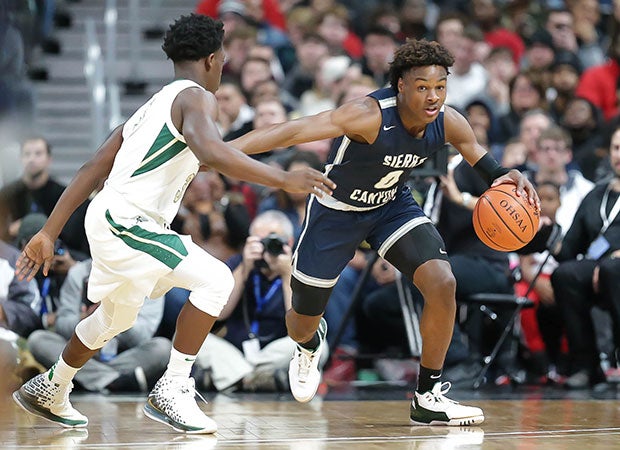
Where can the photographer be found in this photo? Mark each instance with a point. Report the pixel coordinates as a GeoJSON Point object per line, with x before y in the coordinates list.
{"type": "Point", "coordinates": [254, 352]}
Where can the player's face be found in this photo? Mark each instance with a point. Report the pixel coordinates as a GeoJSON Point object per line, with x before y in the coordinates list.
{"type": "Point", "coordinates": [422, 92]}
{"type": "Point", "coordinates": [217, 64]}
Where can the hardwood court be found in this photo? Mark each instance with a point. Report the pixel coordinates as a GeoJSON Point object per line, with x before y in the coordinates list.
{"type": "Point", "coordinates": [118, 423]}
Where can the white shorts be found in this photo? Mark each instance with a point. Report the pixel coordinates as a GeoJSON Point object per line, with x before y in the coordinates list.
{"type": "Point", "coordinates": [135, 257]}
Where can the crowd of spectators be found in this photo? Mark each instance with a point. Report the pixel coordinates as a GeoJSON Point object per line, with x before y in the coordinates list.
{"type": "Point", "coordinates": [536, 80]}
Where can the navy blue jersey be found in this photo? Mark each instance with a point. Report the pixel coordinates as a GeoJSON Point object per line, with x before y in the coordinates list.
{"type": "Point", "coordinates": [370, 175]}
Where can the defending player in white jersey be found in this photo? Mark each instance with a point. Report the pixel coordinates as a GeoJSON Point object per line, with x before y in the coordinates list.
{"type": "Point", "coordinates": [147, 164]}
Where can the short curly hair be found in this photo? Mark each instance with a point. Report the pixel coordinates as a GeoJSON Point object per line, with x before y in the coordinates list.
{"type": "Point", "coordinates": [418, 53]}
{"type": "Point", "coordinates": [193, 37]}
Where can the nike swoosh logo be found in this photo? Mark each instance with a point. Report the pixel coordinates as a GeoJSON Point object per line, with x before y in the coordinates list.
{"type": "Point", "coordinates": [434, 377]}
{"type": "Point", "coordinates": [442, 251]}
{"type": "Point", "coordinates": [388, 128]}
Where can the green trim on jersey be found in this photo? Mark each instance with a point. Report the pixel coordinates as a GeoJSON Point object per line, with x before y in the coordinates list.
{"type": "Point", "coordinates": [167, 248]}
{"type": "Point", "coordinates": [165, 147]}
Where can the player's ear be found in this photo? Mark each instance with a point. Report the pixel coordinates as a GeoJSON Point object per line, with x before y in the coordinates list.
{"type": "Point", "coordinates": [400, 84]}
{"type": "Point", "coordinates": [209, 61]}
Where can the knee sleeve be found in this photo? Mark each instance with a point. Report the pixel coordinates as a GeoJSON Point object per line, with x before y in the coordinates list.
{"type": "Point", "coordinates": [109, 320]}
{"type": "Point", "coordinates": [418, 246]}
{"type": "Point", "coordinates": [211, 295]}
{"type": "Point", "coordinates": [309, 300]}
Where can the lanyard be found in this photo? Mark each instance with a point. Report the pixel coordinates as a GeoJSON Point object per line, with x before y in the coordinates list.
{"type": "Point", "coordinates": [608, 219]}
{"type": "Point", "coordinates": [261, 300]}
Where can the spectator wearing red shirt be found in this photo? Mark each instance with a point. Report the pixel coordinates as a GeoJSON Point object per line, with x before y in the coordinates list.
{"type": "Point", "coordinates": [272, 13]}
{"type": "Point", "coordinates": [600, 83]}
{"type": "Point", "coordinates": [487, 16]}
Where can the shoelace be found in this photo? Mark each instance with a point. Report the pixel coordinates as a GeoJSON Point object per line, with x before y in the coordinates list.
{"type": "Point", "coordinates": [305, 363]}
{"type": "Point", "coordinates": [439, 390]}
{"type": "Point", "coordinates": [188, 388]}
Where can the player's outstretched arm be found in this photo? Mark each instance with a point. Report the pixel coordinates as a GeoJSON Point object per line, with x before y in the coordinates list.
{"type": "Point", "coordinates": [460, 134]}
{"type": "Point", "coordinates": [359, 119]}
{"type": "Point", "coordinates": [193, 111]}
{"type": "Point", "coordinates": [39, 251]}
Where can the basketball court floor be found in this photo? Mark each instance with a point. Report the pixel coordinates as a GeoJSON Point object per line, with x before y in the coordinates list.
{"type": "Point", "coordinates": [518, 418]}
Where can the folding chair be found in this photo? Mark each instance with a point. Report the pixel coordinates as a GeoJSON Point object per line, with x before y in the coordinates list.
{"type": "Point", "coordinates": [486, 301]}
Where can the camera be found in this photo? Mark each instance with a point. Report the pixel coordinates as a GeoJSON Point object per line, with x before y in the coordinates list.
{"type": "Point", "coordinates": [274, 244]}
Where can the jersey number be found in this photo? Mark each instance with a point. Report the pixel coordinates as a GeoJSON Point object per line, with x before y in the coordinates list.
{"type": "Point", "coordinates": [389, 180]}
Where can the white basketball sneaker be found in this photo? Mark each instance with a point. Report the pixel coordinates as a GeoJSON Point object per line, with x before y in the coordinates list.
{"type": "Point", "coordinates": [173, 402]}
{"type": "Point", "coordinates": [433, 408]}
{"type": "Point", "coordinates": [303, 371]}
{"type": "Point", "coordinates": [44, 398]}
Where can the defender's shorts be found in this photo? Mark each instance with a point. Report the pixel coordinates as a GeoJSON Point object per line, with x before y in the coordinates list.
{"type": "Point", "coordinates": [136, 257]}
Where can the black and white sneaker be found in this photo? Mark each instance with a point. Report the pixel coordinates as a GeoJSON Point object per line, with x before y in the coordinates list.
{"type": "Point", "coordinates": [44, 398]}
{"type": "Point", "coordinates": [433, 408]}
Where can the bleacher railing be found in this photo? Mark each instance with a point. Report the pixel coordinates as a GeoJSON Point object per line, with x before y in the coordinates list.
{"type": "Point", "coordinates": [95, 74]}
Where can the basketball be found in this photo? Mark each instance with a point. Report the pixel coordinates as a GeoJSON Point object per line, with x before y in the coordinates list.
{"type": "Point", "coordinates": [503, 220]}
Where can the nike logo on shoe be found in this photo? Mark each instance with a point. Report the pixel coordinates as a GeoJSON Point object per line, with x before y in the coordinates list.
{"type": "Point", "coordinates": [386, 128]}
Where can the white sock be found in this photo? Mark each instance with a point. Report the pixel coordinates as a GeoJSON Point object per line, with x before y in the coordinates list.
{"type": "Point", "coordinates": [180, 364]}
{"type": "Point", "coordinates": [61, 372]}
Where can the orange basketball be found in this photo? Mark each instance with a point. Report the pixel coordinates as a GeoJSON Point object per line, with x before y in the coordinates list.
{"type": "Point", "coordinates": [504, 221]}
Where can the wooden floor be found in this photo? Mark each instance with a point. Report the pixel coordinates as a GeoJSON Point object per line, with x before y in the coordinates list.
{"type": "Point", "coordinates": [118, 423]}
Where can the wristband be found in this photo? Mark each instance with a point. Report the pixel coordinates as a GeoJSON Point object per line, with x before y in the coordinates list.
{"type": "Point", "coordinates": [489, 169]}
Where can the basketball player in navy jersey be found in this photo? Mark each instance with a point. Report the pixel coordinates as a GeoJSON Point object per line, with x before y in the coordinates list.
{"type": "Point", "coordinates": [380, 139]}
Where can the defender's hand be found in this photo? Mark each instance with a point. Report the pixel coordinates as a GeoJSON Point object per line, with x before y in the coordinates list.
{"type": "Point", "coordinates": [524, 187]}
{"type": "Point", "coordinates": [308, 181]}
{"type": "Point", "coordinates": [38, 251]}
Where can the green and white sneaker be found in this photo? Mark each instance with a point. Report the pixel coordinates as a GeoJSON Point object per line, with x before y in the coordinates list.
{"type": "Point", "coordinates": [173, 402]}
{"type": "Point", "coordinates": [44, 398]}
{"type": "Point", "coordinates": [303, 371]}
{"type": "Point", "coordinates": [433, 408]}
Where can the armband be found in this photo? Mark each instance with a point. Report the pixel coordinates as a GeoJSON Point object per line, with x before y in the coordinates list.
{"type": "Point", "coordinates": [489, 169]}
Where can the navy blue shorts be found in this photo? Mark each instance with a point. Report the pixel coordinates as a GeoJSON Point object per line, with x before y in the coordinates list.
{"type": "Point", "coordinates": [330, 237]}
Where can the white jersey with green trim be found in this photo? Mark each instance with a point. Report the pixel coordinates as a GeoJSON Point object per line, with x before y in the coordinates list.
{"type": "Point", "coordinates": [154, 164]}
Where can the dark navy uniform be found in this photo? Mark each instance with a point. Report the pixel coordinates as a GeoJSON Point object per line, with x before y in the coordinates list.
{"type": "Point", "coordinates": [370, 202]}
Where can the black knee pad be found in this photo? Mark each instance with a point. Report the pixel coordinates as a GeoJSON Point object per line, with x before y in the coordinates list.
{"type": "Point", "coordinates": [309, 300]}
{"type": "Point", "coordinates": [419, 245]}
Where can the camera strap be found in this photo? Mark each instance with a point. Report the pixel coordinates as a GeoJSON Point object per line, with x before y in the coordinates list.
{"type": "Point", "coordinates": [261, 300]}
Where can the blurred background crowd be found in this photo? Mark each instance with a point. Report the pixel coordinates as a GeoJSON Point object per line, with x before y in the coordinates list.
{"type": "Point", "coordinates": [538, 81]}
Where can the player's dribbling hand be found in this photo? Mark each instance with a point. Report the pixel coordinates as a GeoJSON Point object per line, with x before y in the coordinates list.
{"type": "Point", "coordinates": [523, 186]}
{"type": "Point", "coordinates": [308, 181]}
{"type": "Point", "coordinates": [38, 251]}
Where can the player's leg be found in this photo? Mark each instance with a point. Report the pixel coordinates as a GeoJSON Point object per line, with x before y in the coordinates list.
{"type": "Point", "coordinates": [420, 255]}
{"type": "Point", "coordinates": [307, 327]}
{"type": "Point", "coordinates": [172, 400]}
{"type": "Point", "coordinates": [47, 394]}
{"type": "Point", "coordinates": [327, 243]}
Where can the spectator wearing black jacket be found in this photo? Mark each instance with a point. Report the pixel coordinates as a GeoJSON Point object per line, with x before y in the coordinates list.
{"type": "Point", "coordinates": [37, 192]}
{"type": "Point", "coordinates": [588, 273]}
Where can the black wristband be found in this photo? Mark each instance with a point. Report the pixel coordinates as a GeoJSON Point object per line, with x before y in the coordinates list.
{"type": "Point", "coordinates": [489, 169]}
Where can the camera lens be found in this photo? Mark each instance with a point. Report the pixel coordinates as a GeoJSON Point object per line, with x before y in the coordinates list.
{"type": "Point", "coordinates": [273, 244]}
